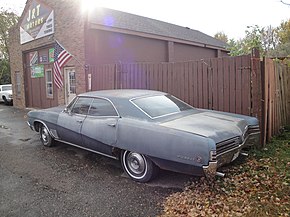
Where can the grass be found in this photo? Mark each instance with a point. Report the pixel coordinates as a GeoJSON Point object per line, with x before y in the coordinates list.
{"type": "Point", "coordinates": [256, 186]}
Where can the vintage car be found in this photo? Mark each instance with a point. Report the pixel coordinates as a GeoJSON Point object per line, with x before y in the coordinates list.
{"type": "Point", "coordinates": [147, 130]}
{"type": "Point", "coordinates": [6, 94]}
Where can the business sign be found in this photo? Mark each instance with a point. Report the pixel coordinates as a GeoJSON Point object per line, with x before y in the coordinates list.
{"type": "Point", "coordinates": [37, 71]}
{"type": "Point", "coordinates": [33, 58]}
{"type": "Point", "coordinates": [51, 55]}
{"type": "Point", "coordinates": [38, 22]}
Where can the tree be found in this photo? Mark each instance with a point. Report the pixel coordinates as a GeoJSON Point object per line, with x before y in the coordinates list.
{"type": "Point", "coordinates": [7, 20]}
{"type": "Point", "coordinates": [221, 36]}
{"type": "Point", "coordinates": [284, 32]}
{"type": "Point", "coordinates": [283, 45]}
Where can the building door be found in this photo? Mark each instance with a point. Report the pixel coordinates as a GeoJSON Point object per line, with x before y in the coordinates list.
{"type": "Point", "coordinates": [70, 76]}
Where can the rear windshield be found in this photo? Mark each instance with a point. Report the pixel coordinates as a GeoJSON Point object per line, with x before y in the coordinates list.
{"type": "Point", "coordinates": [5, 88]}
{"type": "Point", "coordinates": [157, 106]}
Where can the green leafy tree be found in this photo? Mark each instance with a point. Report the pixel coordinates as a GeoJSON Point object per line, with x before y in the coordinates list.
{"type": "Point", "coordinates": [265, 39]}
{"type": "Point", "coordinates": [282, 48]}
{"type": "Point", "coordinates": [284, 32]}
{"type": "Point", "coordinates": [7, 20]}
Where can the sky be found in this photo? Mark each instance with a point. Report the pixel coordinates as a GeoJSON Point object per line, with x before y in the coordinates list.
{"type": "Point", "coordinates": [208, 16]}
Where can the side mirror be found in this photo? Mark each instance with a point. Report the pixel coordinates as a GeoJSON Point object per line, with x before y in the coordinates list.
{"type": "Point", "coordinates": [66, 110]}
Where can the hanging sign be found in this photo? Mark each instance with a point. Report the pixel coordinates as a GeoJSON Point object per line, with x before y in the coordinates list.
{"type": "Point", "coordinates": [37, 22]}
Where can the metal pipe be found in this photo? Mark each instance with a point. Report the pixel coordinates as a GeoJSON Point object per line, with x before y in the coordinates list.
{"type": "Point", "coordinates": [244, 154]}
{"type": "Point", "coordinates": [220, 174]}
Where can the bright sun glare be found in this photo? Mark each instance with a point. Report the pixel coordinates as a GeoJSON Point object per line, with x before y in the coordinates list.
{"type": "Point", "coordinates": [88, 5]}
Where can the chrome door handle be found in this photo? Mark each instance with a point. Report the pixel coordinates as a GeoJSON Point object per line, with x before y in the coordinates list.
{"type": "Point", "coordinates": [112, 125]}
{"type": "Point", "coordinates": [80, 121]}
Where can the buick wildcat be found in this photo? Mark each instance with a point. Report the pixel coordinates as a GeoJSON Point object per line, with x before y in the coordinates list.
{"type": "Point", "coordinates": [148, 130]}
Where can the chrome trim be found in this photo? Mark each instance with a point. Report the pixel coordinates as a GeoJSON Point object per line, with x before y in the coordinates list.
{"type": "Point", "coordinates": [37, 120]}
{"type": "Point", "coordinates": [210, 169]}
{"type": "Point", "coordinates": [54, 133]}
{"type": "Point", "coordinates": [87, 149]}
{"type": "Point", "coordinates": [30, 126]}
{"type": "Point", "coordinates": [161, 116]}
{"type": "Point", "coordinates": [240, 145]}
{"type": "Point", "coordinates": [98, 97]}
{"type": "Point", "coordinates": [227, 156]}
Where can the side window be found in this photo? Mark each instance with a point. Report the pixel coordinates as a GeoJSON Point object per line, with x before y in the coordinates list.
{"type": "Point", "coordinates": [49, 84]}
{"type": "Point", "coordinates": [102, 107]}
{"type": "Point", "coordinates": [82, 106]}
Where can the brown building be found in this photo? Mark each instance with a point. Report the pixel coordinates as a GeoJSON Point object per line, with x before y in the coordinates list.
{"type": "Point", "coordinates": [101, 36]}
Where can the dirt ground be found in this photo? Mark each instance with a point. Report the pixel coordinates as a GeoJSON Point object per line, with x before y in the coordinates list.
{"type": "Point", "coordinates": [66, 181]}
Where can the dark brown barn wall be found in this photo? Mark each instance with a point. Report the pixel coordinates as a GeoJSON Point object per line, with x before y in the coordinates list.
{"type": "Point", "coordinates": [111, 47]}
{"type": "Point", "coordinates": [183, 52]}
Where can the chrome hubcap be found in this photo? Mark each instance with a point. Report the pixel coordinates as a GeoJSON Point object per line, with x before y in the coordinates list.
{"type": "Point", "coordinates": [44, 135]}
{"type": "Point", "coordinates": [136, 163]}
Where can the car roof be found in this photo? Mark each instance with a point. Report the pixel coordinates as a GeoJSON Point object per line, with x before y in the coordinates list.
{"type": "Point", "coordinates": [122, 93]}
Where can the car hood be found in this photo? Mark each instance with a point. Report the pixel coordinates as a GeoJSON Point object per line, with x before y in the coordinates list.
{"type": "Point", "coordinates": [45, 112]}
{"type": "Point", "coordinates": [57, 109]}
{"type": "Point", "coordinates": [218, 127]}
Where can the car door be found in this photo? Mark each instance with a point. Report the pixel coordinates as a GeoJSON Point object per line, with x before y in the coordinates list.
{"type": "Point", "coordinates": [71, 120]}
{"type": "Point", "coordinates": [99, 129]}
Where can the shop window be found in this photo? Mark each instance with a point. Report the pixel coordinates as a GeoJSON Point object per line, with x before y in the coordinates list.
{"type": "Point", "coordinates": [17, 83]}
{"type": "Point", "coordinates": [49, 83]}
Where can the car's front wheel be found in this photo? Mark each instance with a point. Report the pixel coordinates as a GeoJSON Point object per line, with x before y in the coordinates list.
{"type": "Point", "coordinates": [45, 136]}
{"type": "Point", "coordinates": [5, 100]}
{"type": "Point", "coordinates": [139, 167]}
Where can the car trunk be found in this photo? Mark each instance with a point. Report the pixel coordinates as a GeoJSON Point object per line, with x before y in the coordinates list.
{"type": "Point", "coordinates": [216, 126]}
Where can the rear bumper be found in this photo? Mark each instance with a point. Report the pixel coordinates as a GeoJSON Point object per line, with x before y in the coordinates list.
{"type": "Point", "coordinates": [230, 155]}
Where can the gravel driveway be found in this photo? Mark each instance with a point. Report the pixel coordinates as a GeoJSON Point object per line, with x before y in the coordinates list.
{"type": "Point", "coordinates": [66, 181]}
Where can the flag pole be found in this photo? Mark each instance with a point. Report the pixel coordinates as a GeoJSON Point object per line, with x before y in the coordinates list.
{"type": "Point", "coordinates": [69, 53]}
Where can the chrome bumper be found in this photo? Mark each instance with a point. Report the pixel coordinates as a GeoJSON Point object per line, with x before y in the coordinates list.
{"type": "Point", "coordinates": [230, 155]}
{"type": "Point", "coordinates": [30, 125]}
{"type": "Point", "coordinates": [210, 170]}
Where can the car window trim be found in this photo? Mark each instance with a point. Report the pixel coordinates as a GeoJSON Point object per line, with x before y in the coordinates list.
{"type": "Point", "coordinates": [75, 100]}
{"type": "Point", "coordinates": [161, 116]}
{"type": "Point", "coordinates": [104, 98]}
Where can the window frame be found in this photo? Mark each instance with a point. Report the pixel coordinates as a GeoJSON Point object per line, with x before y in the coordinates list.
{"type": "Point", "coordinates": [17, 84]}
{"type": "Point", "coordinates": [50, 96]}
{"type": "Point", "coordinates": [105, 116]}
{"type": "Point", "coordinates": [160, 116]}
{"type": "Point", "coordinates": [74, 102]}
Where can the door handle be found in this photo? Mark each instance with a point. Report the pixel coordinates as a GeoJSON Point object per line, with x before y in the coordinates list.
{"type": "Point", "coordinates": [80, 121]}
{"type": "Point", "coordinates": [112, 125]}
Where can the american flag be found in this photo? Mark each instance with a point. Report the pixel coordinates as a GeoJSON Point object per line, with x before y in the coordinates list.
{"type": "Point", "coordinates": [61, 56]}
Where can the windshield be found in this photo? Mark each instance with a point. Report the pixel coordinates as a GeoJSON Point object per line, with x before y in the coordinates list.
{"type": "Point", "coordinates": [5, 88]}
{"type": "Point", "coordinates": [157, 106]}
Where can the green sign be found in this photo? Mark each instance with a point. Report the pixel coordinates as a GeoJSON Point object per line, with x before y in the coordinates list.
{"type": "Point", "coordinates": [37, 71]}
{"type": "Point", "coordinates": [51, 55]}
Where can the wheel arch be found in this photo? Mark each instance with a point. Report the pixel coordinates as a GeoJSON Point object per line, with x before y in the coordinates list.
{"type": "Point", "coordinates": [38, 123]}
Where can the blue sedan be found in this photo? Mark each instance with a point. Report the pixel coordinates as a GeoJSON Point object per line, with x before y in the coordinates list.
{"type": "Point", "coordinates": [148, 130]}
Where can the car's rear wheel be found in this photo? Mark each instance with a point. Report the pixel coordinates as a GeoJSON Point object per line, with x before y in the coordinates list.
{"type": "Point", "coordinates": [139, 167]}
{"type": "Point", "coordinates": [45, 136]}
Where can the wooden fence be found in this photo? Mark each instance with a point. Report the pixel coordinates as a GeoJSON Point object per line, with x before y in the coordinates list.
{"type": "Point", "coordinates": [230, 84]}
{"type": "Point", "coordinates": [276, 97]}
